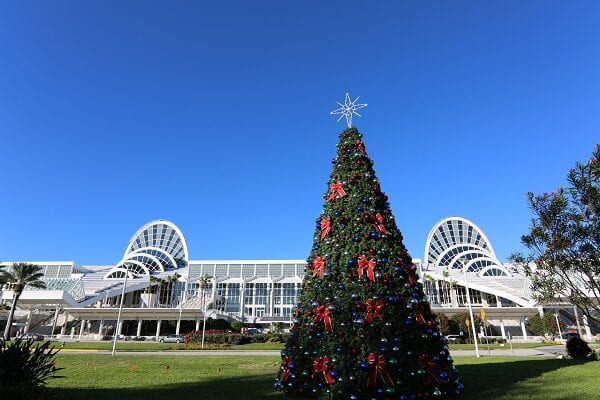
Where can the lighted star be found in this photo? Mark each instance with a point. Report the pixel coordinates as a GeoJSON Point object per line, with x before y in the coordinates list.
{"type": "Point", "coordinates": [348, 109]}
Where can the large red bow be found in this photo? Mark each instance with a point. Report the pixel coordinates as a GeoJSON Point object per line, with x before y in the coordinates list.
{"type": "Point", "coordinates": [378, 223]}
{"type": "Point", "coordinates": [323, 314]}
{"type": "Point", "coordinates": [374, 308]}
{"type": "Point", "coordinates": [360, 145]}
{"type": "Point", "coordinates": [369, 265]}
{"type": "Point", "coordinates": [325, 227]}
{"type": "Point", "coordinates": [378, 367]}
{"type": "Point", "coordinates": [336, 188]}
{"type": "Point", "coordinates": [429, 366]}
{"type": "Point", "coordinates": [285, 368]}
{"type": "Point", "coordinates": [320, 365]}
{"type": "Point", "coordinates": [318, 266]}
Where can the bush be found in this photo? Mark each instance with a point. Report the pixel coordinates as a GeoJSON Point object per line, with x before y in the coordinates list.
{"type": "Point", "coordinates": [237, 325]}
{"type": "Point", "coordinates": [25, 367]}
{"type": "Point", "coordinates": [578, 349]}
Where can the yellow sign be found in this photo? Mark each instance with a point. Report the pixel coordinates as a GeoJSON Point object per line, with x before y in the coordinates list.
{"type": "Point", "coordinates": [482, 314]}
{"type": "Point", "coordinates": [468, 322]}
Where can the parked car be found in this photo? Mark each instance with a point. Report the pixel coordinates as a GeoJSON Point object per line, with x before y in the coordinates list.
{"type": "Point", "coordinates": [171, 339]}
{"type": "Point", "coordinates": [32, 336]}
{"type": "Point", "coordinates": [455, 339]}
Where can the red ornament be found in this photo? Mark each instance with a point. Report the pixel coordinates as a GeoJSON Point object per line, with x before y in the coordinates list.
{"type": "Point", "coordinates": [378, 223]}
{"type": "Point", "coordinates": [322, 314]}
{"type": "Point", "coordinates": [325, 227]}
{"type": "Point", "coordinates": [320, 366]}
{"type": "Point", "coordinates": [378, 368]}
{"type": "Point", "coordinates": [374, 309]}
{"type": "Point", "coordinates": [360, 145]}
{"type": "Point", "coordinates": [368, 265]}
{"type": "Point", "coordinates": [336, 189]}
{"type": "Point", "coordinates": [285, 368]}
{"type": "Point", "coordinates": [318, 266]}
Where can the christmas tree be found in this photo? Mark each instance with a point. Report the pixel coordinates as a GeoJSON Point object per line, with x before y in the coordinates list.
{"type": "Point", "coordinates": [363, 328]}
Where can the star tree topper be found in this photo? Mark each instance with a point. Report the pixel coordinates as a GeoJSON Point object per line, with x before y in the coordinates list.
{"type": "Point", "coordinates": [348, 109]}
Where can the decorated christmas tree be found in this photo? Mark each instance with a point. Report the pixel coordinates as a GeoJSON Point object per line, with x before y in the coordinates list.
{"type": "Point", "coordinates": [363, 328]}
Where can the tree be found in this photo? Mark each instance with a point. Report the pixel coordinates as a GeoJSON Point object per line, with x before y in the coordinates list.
{"type": "Point", "coordinates": [564, 240]}
{"type": "Point", "coordinates": [21, 275]}
{"type": "Point", "coordinates": [363, 327]}
{"type": "Point", "coordinates": [544, 325]}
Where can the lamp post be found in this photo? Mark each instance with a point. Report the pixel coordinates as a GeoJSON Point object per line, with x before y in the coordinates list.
{"type": "Point", "coordinates": [119, 315]}
{"type": "Point", "coordinates": [558, 325]}
{"type": "Point", "coordinates": [464, 269]}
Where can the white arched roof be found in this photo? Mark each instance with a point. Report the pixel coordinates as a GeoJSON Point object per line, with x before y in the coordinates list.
{"type": "Point", "coordinates": [157, 246]}
{"type": "Point", "coordinates": [456, 243]}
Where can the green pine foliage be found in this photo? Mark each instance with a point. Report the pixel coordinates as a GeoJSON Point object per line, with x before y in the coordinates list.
{"type": "Point", "coordinates": [363, 328]}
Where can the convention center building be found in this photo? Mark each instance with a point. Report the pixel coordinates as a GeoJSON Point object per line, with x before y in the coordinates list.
{"type": "Point", "coordinates": [156, 288]}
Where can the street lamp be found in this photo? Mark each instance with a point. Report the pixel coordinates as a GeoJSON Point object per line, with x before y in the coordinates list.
{"type": "Point", "coordinates": [119, 315]}
{"type": "Point", "coordinates": [464, 270]}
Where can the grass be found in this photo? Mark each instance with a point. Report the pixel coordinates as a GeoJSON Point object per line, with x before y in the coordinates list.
{"type": "Point", "coordinates": [148, 377]}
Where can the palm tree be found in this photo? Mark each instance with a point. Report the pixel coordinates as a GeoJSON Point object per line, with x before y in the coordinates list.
{"type": "Point", "coordinates": [204, 281]}
{"type": "Point", "coordinates": [22, 274]}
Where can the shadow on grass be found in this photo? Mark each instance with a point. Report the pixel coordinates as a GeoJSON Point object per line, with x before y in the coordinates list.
{"type": "Point", "coordinates": [495, 379]}
{"type": "Point", "coordinates": [484, 380]}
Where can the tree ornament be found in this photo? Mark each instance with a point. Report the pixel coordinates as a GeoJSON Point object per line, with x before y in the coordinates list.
{"type": "Point", "coordinates": [325, 226]}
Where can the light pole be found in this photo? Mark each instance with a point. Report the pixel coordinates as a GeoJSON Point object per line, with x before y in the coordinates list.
{"type": "Point", "coordinates": [470, 308]}
{"type": "Point", "coordinates": [119, 315]}
{"type": "Point", "coordinates": [558, 325]}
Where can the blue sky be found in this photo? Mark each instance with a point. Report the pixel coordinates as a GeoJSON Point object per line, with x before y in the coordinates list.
{"type": "Point", "coordinates": [216, 117]}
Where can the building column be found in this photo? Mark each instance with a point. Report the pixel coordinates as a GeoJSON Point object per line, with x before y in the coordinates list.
{"type": "Point", "coordinates": [28, 322]}
{"type": "Point", "coordinates": [139, 328]}
{"type": "Point", "coordinates": [523, 330]}
{"type": "Point", "coordinates": [541, 311]}
{"type": "Point", "coordinates": [178, 326]}
{"type": "Point", "coordinates": [502, 329]}
{"type": "Point", "coordinates": [158, 324]}
{"type": "Point", "coordinates": [63, 329]}
{"type": "Point", "coordinates": [100, 328]}
{"type": "Point", "coordinates": [81, 328]}
{"type": "Point", "coordinates": [498, 302]}
{"type": "Point", "coordinates": [586, 326]}
{"type": "Point", "coordinates": [197, 324]}
{"type": "Point", "coordinates": [120, 327]}
{"type": "Point", "coordinates": [271, 298]}
{"type": "Point", "coordinates": [56, 312]}
{"type": "Point", "coordinates": [242, 299]}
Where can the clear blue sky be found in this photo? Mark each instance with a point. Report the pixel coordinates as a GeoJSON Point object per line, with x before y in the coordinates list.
{"type": "Point", "coordinates": [216, 117]}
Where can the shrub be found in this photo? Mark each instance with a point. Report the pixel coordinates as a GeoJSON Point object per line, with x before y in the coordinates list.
{"type": "Point", "coordinates": [25, 367]}
{"type": "Point", "coordinates": [237, 325]}
{"type": "Point", "coordinates": [578, 349]}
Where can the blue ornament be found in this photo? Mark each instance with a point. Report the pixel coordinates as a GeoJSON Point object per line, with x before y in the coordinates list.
{"type": "Point", "coordinates": [364, 365]}
{"type": "Point", "coordinates": [333, 161]}
{"type": "Point", "coordinates": [319, 334]}
{"type": "Point", "coordinates": [365, 201]}
{"type": "Point", "coordinates": [356, 238]}
{"type": "Point", "coordinates": [334, 373]}
{"type": "Point", "coordinates": [353, 397]}
{"type": "Point", "coordinates": [283, 352]}
{"type": "Point", "coordinates": [383, 349]}
{"type": "Point", "coordinates": [380, 391]}
{"type": "Point", "coordinates": [443, 375]}
{"type": "Point", "coordinates": [395, 348]}
{"type": "Point", "coordinates": [408, 321]}
{"type": "Point", "coordinates": [374, 235]}
{"type": "Point", "coordinates": [459, 387]}
{"type": "Point", "coordinates": [383, 340]}
{"type": "Point", "coordinates": [339, 350]}
{"type": "Point", "coordinates": [338, 213]}
{"type": "Point", "coordinates": [396, 339]}
{"type": "Point", "coordinates": [384, 260]}
{"type": "Point", "coordinates": [392, 299]}
{"type": "Point", "coordinates": [314, 303]}
{"type": "Point", "coordinates": [331, 307]}
{"type": "Point", "coordinates": [398, 269]}
{"type": "Point", "coordinates": [341, 286]}
{"type": "Point", "coordinates": [355, 315]}
{"type": "Point", "coordinates": [352, 261]}
{"type": "Point", "coordinates": [360, 321]}
{"type": "Point", "coordinates": [360, 209]}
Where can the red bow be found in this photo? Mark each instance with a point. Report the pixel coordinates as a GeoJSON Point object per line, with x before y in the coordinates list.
{"type": "Point", "coordinates": [378, 223]}
{"type": "Point", "coordinates": [374, 308]}
{"type": "Point", "coordinates": [369, 265]}
{"type": "Point", "coordinates": [360, 145]}
{"type": "Point", "coordinates": [378, 367]}
{"type": "Point", "coordinates": [322, 314]}
{"type": "Point", "coordinates": [421, 318]}
{"type": "Point", "coordinates": [325, 227]}
{"type": "Point", "coordinates": [285, 368]}
{"type": "Point", "coordinates": [318, 266]}
{"type": "Point", "coordinates": [336, 188]}
{"type": "Point", "coordinates": [425, 361]}
{"type": "Point", "coordinates": [320, 365]}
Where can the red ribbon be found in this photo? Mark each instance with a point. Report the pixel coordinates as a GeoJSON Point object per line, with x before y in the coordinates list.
{"type": "Point", "coordinates": [285, 368]}
{"type": "Point", "coordinates": [318, 267]}
{"type": "Point", "coordinates": [378, 223]}
{"type": "Point", "coordinates": [425, 361]}
{"type": "Point", "coordinates": [360, 145]}
{"type": "Point", "coordinates": [325, 227]}
{"type": "Point", "coordinates": [323, 314]}
{"type": "Point", "coordinates": [374, 308]}
{"type": "Point", "coordinates": [421, 319]}
{"type": "Point", "coordinates": [320, 365]}
{"type": "Point", "coordinates": [369, 265]}
{"type": "Point", "coordinates": [378, 367]}
{"type": "Point", "coordinates": [336, 188]}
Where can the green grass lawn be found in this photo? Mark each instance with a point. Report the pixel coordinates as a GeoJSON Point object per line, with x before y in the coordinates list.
{"type": "Point", "coordinates": [148, 377]}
